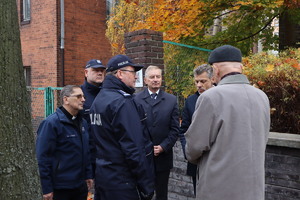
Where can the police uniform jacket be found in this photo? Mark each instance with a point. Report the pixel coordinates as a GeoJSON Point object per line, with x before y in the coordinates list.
{"type": "Point", "coordinates": [63, 153]}
{"type": "Point", "coordinates": [227, 138]}
{"type": "Point", "coordinates": [163, 123]}
{"type": "Point", "coordinates": [90, 92]}
{"type": "Point", "coordinates": [124, 150]}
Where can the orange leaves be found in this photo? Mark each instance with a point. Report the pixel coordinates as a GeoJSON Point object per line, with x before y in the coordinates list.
{"type": "Point", "coordinates": [279, 77]}
{"type": "Point", "coordinates": [128, 14]}
{"type": "Point", "coordinates": [284, 68]}
{"type": "Point", "coordinates": [296, 66]}
{"type": "Point", "coordinates": [292, 4]}
{"type": "Point", "coordinates": [136, 2]}
{"type": "Point", "coordinates": [270, 67]}
{"type": "Point", "coordinates": [193, 20]}
{"type": "Point", "coordinates": [176, 18]}
{"type": "Point", "coordinates": [293, 62]}
{"type": "Point", "coordinates": [261, 83]}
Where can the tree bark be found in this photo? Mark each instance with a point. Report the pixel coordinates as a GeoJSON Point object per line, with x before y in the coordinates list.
{"type": "Point", "coordinates": [289, 32]}
{"type": "Point", "coordinates": [19, 179]}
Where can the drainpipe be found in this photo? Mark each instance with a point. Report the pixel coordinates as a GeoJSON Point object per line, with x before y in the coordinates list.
{"type": "Point", "coordinates": [62, 39]}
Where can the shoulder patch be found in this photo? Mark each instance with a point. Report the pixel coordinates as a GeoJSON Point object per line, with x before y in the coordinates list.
{"type": "Point", "coordinates": [125, 94]}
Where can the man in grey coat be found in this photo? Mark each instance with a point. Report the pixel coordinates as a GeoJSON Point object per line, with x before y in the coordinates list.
{"type": "Point", "coordinates": [228, 134]}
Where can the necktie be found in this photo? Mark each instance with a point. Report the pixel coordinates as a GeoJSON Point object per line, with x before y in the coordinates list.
{"type": "Point", "coordinates": [153, 95]}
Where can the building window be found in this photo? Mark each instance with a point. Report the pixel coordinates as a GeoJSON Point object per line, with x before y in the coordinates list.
{"type": "Point", "coordinates": [25, 11]}
{"type": "Point", "coordinates": [27, 74]}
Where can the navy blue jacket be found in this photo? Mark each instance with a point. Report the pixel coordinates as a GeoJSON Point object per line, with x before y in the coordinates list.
{"type": "Point", "coordinates": [90, 92]}
{"type": "Point", "coordinates": [163, 123]}
{"type": "Point", "coordinates": [187, 114]}
{"type": "Point", "coordinates": [62, 153]}
{"type": "Point", "coordinates": [124, 150]}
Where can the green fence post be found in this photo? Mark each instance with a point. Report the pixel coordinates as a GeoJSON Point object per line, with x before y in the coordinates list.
{"type": "Point", "coordinates": [49, 101]}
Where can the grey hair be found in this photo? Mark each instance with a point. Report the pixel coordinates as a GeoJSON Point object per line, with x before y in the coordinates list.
{"type": "Point", "coordinates": [67, 91]}
{"type": "Point", "coordinates": [204, 68]}
{"type": "Point", "coordinates": [150, 68]}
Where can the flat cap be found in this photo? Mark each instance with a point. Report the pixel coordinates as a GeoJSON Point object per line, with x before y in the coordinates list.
{"type": "Point", "coordinates": [225, 53]}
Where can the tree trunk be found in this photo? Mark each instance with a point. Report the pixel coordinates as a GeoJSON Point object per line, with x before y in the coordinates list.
{"type": "Point", "coordinates": [19, 178]}
{"type": "Point", "coordinates": [289, 32]}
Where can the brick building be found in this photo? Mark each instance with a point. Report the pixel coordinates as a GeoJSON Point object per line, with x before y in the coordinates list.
{"type": "Point", "coordinates": [59, 37]}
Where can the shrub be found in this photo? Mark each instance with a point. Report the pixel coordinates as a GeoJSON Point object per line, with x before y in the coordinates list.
{"type": "Point", "coordinates": [279, 77]}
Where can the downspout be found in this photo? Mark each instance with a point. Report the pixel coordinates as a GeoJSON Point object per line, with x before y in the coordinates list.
{"type": "Point", "coordinates": [62, 40]}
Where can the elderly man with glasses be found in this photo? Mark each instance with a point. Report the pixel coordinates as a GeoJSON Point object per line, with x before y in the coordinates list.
{"type": "Point", "coordinates": [62, 149]}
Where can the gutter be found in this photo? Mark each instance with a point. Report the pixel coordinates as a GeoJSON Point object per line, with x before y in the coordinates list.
{"type": "Point", "coordinates": [62, 40]}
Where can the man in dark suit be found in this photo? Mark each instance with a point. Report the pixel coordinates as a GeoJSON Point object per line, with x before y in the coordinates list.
{"type": "Point", "coordinates": [203, 76]}
{"type": "Point", "coordinates": [163, 123]}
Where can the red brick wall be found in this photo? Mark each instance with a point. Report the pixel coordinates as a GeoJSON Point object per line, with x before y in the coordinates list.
{"type": "Point", "coordinates": [145, 47]}
{"type": "Point", "coordinates": [39, 43]}
{"type": "Point", "coordinates": [84, 37]}
{"type": "Point", "coordinates": [85, 24]}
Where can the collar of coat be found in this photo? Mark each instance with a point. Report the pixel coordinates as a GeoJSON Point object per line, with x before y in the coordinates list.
{"type": "Point", "coordinates": [92, 89]}
{"type": "Point", "coordinates": [67, 118]}
{"type": "Point", "coordinates": [145, 94]}
{"type": "Point", "coordinates": [234, 79]}
{"type": "Point", "coordinates": [112, 82]}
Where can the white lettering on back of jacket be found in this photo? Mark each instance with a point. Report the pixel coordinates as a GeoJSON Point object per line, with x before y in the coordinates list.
{"type": "Point", "coordinates": [96, 119]}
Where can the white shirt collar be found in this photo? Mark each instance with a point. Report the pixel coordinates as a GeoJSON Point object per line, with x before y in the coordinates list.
{"type": "Point", "coordinates": [153, 92]}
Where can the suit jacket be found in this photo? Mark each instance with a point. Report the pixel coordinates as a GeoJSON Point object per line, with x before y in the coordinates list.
{"type": "Point", "coordinates": [188, 111]}
{"type": "Point", "coordinates": [163, 124]}
{"type": "Point", "coordinates": [227, 138]}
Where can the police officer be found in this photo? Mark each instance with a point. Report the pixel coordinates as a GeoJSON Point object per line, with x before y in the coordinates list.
{"type": "Point", "coordinates": [124, 164]}
{"type": "Point", "coordinates": [94, 76]}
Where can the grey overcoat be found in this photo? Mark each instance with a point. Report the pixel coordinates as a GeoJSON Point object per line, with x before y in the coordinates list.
{"type": "Point", "coordinates": [227, 139]}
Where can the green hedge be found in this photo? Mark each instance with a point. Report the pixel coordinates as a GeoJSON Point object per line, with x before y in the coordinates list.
{"type": "Point", "coordinates": [279, 77]}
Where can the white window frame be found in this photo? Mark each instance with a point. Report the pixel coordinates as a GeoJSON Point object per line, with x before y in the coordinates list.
{"type": "Point", "coordinates": [110, 4]}
{"type": "Point", "coordinates": [26, 10]}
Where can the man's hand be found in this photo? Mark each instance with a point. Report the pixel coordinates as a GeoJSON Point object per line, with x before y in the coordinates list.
{"type": "Point", "coordinates": [48, 196]}
{"type": "Point", "coordinates": [146, 196]}
{"type": "Point", "coordinates": [89, 183]}
{"type": "Point", "coordinates": [157, 150]}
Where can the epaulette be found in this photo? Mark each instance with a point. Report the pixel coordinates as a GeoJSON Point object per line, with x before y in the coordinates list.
{"type": "Point", "coordinates": [125, 94]}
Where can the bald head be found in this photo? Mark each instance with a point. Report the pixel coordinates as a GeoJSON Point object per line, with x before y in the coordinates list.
{"type": "Point", "coordinates": [223, 68]}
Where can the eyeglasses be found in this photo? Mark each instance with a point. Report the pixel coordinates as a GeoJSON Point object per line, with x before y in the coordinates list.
{"type": "Point", "coordinates": [79, 96]}
{"type": "Point", "coordinates": [126, 70]}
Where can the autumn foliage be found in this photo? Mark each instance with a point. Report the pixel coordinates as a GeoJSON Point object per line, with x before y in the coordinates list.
{"type": "Point", "coordinates": [211, 23]}
{"type": "Point", "coordinates": [127, 14]}
{"type": "Point", "coordinates": [279, 77]}
{"type": "Point", "coordinates": [202, 23]}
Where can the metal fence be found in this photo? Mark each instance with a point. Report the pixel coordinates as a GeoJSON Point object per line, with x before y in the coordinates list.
{"type": "Point", "coordinates": [180, 61]}
{"type": "Point", "coordinates": [44, 101]}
